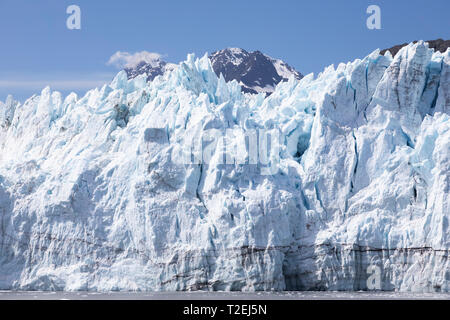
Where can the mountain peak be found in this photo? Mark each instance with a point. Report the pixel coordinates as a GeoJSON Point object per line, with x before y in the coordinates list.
{"type": "Point", "coordinates": [255, 71]}
{"type": "Point", "coordinates": [151, 68]}
{"type": "Point", "coordinates": [438, 45]}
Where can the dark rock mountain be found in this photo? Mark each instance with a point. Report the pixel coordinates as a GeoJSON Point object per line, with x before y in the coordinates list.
{"type": "Point", "coordinates": [156, 68]}
{"type": "Point", "coordinates": [438, 45]}
{"type": "Point", "coordinates": [255, 71]}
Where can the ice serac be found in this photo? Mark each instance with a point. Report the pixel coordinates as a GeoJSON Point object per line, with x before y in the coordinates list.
{"type": "Point", "coordinates": [92, 196]}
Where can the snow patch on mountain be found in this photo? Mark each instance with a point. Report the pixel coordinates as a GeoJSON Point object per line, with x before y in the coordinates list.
{"type": "Point", "coordinates": [255, 71]}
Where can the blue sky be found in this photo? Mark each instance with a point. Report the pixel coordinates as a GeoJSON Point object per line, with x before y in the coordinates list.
{"type": "Point", "coordinates": [37, 48]}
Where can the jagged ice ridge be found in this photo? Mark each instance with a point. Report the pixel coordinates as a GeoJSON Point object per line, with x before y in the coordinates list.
{"type": "Point", "coordinates": [89, 200]}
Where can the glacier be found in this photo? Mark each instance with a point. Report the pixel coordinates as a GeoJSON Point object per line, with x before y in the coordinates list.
{"type": "Point", "coordinates": [92, 196]}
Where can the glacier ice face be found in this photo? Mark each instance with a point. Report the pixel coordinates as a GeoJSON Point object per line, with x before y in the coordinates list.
{"type": "Point", "coordinates": [92, 196]}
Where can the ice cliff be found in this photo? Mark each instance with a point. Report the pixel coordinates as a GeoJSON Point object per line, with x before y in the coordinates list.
{"type": "Point", "coordinates": [92, 196]}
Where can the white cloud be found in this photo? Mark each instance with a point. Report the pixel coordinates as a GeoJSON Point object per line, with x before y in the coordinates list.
{"type": "Point", "coordinates": [128, 60]}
